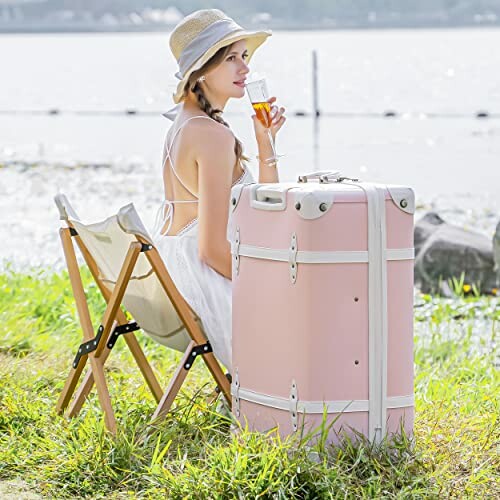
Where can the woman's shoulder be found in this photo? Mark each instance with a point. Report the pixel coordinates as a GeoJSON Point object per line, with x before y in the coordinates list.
{"type": "Point", "coordinates": [207, 132]}
{"type": "Point", "coordinates": [204, 122]}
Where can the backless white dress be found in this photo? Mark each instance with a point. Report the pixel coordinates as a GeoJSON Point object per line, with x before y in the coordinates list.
{"type": "Point", "coordinates": [207, 292]}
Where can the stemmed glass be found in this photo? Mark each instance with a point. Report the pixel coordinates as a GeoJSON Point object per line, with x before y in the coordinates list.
{"type": "Point", "coordinates": [258, 94]}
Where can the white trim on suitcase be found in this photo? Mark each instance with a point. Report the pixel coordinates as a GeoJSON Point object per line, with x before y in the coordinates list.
{"type": "Point", "coordinates": [314, 257]}
{"type": "Point", "coordinates": [316, 407]}
{"type": "Point", "coordinates": [377, 308]}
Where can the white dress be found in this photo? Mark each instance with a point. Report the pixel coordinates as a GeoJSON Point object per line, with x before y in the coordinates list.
{"type": "Point", "coordinates": [207, 292]}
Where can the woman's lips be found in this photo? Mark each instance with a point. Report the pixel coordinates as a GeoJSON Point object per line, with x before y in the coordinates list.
{"type": "Point", "coordinates": [240, 84]}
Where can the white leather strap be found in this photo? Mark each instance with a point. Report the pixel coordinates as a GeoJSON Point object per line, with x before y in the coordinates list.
{"type": "Point", "coordinates": [377, 308]}
{"type": "Point", "coordinates": [316, 407]}
{"type": "Point", "coordinates": [314, 257]}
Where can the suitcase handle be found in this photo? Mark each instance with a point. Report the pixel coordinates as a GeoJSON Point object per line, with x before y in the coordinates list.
{"type": "Point", "coordinates": [266, 198]}
{"type": "Point", "coordinates": [321, 176]}
{"type": "Point", "coordinates": [325, 176]}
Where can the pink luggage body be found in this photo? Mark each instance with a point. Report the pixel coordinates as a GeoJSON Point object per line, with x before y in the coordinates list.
{"type": "Point", "coordinates": [323, 305]}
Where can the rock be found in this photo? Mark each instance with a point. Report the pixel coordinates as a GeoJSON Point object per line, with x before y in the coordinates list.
{"type": "Point", "coordinates": [425, 227]}
{"type": "Point", "coordinates": [444, 251]}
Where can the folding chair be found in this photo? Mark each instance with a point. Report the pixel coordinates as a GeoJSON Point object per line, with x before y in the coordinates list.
{"type": "Point", "coordinates": [129, 271]}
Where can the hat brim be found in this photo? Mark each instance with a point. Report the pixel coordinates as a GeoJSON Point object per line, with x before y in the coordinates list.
{"type": "Point", "coordinates": [255, 40]}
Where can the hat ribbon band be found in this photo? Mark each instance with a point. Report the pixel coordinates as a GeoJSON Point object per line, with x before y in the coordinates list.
{"type": "Point", "coordinates": [203, 41]}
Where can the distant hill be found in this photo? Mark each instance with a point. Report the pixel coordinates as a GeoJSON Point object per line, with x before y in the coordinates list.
{"type": "Point", "coordinates": [113, 15]}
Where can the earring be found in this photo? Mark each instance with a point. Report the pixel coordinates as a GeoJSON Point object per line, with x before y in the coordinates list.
{"type": "Point", "coordinates": [202, 78]}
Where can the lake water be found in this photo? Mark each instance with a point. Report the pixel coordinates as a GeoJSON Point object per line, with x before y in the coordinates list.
{"type": "Point", "coordinates": [436, 80]}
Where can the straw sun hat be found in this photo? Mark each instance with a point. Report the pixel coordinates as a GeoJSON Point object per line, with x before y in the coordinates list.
{"type": "Point", "coordinates": [200, 35]}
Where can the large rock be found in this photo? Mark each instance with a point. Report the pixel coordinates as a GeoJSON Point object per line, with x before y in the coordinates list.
{"type": "Point", "coordinates": [444, 251]}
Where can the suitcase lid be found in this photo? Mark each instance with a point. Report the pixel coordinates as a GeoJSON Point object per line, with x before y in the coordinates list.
{"type": "Point", "coordinates": [313, 199]}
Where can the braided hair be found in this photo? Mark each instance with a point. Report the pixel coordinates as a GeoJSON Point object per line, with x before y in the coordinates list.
{"type": "Point", "coordinates": [205, 104]}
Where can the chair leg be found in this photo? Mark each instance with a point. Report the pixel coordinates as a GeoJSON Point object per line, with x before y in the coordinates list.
{"type": "Point", "coordinates": [173, 387]}
{"type": "Point", "coordinates": [217, 373]}
{"type": "Point", "coordinates": [112, 308]}
{"type": "Point", "coordinates": [88, 334]}
{"type": "Point", "coordinates": [69, 388]}
{"type": "Point", "coordinates": [103, 394]}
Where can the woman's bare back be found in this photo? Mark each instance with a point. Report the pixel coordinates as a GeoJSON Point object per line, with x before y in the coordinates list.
{"type": "Point", "coordinates": [182, 155]}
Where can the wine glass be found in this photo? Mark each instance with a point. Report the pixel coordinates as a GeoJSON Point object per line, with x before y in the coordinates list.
{"type": "Point", "coordinates": [258, 94]}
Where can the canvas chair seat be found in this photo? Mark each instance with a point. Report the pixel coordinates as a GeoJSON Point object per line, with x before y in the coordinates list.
{"type": "Point", "coordinates": [108, 242]}
{"type": "Point", "coordinates": [147, 293]}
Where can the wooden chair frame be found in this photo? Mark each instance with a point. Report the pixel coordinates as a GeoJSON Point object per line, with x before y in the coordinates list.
{"type": "Point", "coordinates": [97, 347]}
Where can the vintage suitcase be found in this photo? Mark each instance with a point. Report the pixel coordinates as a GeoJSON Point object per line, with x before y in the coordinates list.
{"type": "Point", "coordinates": [323, 305]}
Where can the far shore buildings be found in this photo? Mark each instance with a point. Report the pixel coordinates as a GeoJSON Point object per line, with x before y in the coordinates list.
{"type": "Point", "coordinates": [17, 13]}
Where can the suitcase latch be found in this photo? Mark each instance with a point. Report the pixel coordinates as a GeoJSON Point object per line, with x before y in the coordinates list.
{"type": "Point", "coordinates": [292, 258]}
{"type": "Point", "coordinates": [236, 251]}
{"type": "Point", "coordinates": [236, 393]}
{"type": "Point", "coordinates": [294, 405]}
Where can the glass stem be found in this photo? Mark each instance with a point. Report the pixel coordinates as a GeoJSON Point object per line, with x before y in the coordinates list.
{"type": "Point", "coordinates": [272, 142]}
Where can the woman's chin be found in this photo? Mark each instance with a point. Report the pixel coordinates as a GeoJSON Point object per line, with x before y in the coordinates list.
{"type": "Point", "coordinates": [238, 91]}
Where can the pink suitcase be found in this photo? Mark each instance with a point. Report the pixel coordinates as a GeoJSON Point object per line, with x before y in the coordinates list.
{"type": "Point", "coordinates": [323, 305]}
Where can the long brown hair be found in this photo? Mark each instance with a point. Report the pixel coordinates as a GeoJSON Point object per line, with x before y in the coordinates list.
{"type": "Point", "coordinates": [204, 103]}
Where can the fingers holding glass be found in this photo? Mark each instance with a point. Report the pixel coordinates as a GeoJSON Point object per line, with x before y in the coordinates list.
{"type": "Point", "coordinates": [266, 112]}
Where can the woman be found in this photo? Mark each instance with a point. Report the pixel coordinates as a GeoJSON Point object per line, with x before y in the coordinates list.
{"type": "Point", "coordinates": [202, 160]}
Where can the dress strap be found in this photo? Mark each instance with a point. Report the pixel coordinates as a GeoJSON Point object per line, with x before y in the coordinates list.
{"type": "Point", "coordinates": [161, 215]}
{"type": "Point", "coordinates": [169, 149]}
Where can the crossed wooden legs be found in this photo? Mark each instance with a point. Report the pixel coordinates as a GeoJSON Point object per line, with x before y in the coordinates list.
{"type": "Point", "coordinates": [96, 348]}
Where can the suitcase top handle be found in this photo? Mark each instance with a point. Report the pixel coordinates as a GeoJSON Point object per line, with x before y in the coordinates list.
{"type": "Point", "coordinates": [325, 176]}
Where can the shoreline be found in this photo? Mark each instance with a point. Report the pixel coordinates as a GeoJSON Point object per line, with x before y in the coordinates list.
{"type": "Point", "coordinates": [98, 190]}
{"type": "Point", "coordinates": [26, 29]}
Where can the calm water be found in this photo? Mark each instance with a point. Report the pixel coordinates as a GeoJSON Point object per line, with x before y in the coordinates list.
{"type": "Point", "coordinates": [451, 162]}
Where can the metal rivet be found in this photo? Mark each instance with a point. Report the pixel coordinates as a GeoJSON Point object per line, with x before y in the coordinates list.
{"type": "Point", "coordinates": [297, 205]}
{"type": "Point", "coordinates": [293, 266]}
{"type": "Point", "coordinates": [233, 201]}
{"type": "Point", "coordinates": [293, 415]}
{"type": "Point", "coordinates": [403, 203]}
{"type": "Point", "coordinates": [95, 342]}
{"type": "Point", "coordinates": [323, 207]}
{"type": "Point", "coordinates": [193, 354]}
{"type": "Point", "coordinates": [206, 348]}
{"type": "Point", "coordinates": [188, 365]}
{"type": "Point", "coordinates": [356, 299]}
{"type": "Point", "coordinates": [356, 362]}
{"type": "Point", "coordinates": [110, 346]}
{"type": "Point", "coordinates": [293, 396]}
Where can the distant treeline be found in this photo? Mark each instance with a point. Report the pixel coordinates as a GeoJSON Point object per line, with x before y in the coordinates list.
{"type": "Point", "coordinates": [297, 12]}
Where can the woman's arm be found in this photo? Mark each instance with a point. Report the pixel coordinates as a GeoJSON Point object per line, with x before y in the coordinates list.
{"type": "Point", "coordinates": [216, 159]}
{"type": "Point", "coordinates": [266, 173]}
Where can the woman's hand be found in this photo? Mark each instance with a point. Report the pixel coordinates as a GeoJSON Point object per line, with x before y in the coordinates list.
{"type": "Point", "coordinates": [277, 121]}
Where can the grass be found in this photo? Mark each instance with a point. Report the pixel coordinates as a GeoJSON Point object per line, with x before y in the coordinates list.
{"type": "Point", "coordinates": [193, 454]}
